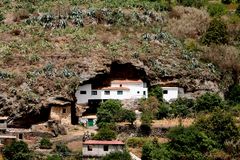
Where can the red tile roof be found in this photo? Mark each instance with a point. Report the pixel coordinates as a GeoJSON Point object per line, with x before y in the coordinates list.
{"type": "Point", "coordinates": [115, 88]}
{"type": "Point", "coordinates": [96, 142]}
{"type": "Point", "coordinates": [127, 81]}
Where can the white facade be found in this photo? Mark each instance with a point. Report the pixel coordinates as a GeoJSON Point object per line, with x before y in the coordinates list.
{"type": "Point", "coordinates": [171, 93]}
{"type": "Point", "coordinates": [93, 148]}
{"type": "Point", "coordinates": [119, 89]}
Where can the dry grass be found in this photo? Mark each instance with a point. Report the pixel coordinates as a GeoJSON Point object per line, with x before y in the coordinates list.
{"type": "Point", "coordinates": [225, 57]}
{"type": "Point", "coordinates": [187, 22]}
{"type": "Point", "coordinates": [168, 123]}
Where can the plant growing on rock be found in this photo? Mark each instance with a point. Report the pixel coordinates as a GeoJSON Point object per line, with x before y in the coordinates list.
{"type": "Point", "coordinates": [216, 33]}
{"type": "Point", "coordinates": [45, 143]}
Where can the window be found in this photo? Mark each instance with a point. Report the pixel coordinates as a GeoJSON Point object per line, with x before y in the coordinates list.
{"type": "Point", "coordinates": [119, 92]}
{"type": "Point", "coordinates": [138, 92]}
{"type": "Point", "coordinates": [89, 148]}
{"type": "Point", "coordinates": [120, 85]}
{"type": "Point", "coordinates": [105, 147]}
{"type": "Point", "coordinates": [2, 121]}
{"type": "Point", "coordinates": [144, 93]}
{"type": "Point", "coordinates": [20, 136]}
{"type": "Point", "coordinates": [83, 92]}
{"type": "Point", "coordinates": [107, 92]}
{"type": "Point", "coordinates": [64, 110]}
{"type": "Point", "coordinates": [165, 91]}
{"type": "Point", "coordinates": [94, 92]}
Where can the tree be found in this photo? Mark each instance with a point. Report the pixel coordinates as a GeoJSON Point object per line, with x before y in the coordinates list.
{"type": "Point", "coordinates": [146, 151]}
{"type": "Point", "coordinates": [157, 92]}
{"type": "Point", "coordinates": [216, 33]}
{"type": "Point", "coordinates": [189, 143]}
{"type": "Point", "coordinates": [128, 115]}
{"type": "Point", "coordinates": [117, 156]}
{"type": "Point", "coordinates": [208, 102]}
{"type": "Point", "coordinates": [45, 143]}
{"type": "Point", "coordinates": [154, 150]}
{"type": "Point", "coordinates": [18, 150]}
{"type": "Point", "coordinates": [220, 126]}
{"type": "Point", "coordinates": [105, 134]}
{"type": "Point", "coordinates": [163, 111]}
{"type": "Point", "coordinates": [182, 107]}
{"type": "Point", "coordinates": [233, 95]}
{"type": "Point", "coordinates": [108, 112]}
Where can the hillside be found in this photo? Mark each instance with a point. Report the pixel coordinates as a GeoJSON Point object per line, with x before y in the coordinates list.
{"type": "Point", "coordinates": [48, 48]}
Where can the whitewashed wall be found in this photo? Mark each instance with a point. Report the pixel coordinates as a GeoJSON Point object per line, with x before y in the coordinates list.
{"type": "Point", "coordinates": [172, 93]}
{"type": "Point", "coordinates": [136, 91]}
{"type": "Point", "coordinates": [97, 150]}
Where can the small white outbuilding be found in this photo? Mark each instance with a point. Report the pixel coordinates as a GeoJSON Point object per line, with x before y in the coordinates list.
{"type": "Point", "coordinates": [97, 149]}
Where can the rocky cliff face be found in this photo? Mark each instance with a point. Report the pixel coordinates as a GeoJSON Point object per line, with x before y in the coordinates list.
{"type": "Point", "coordinates": [37, 63]}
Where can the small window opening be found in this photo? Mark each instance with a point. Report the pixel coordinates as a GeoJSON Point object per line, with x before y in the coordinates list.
{"type": "Point", "coordinates": [144, 93]}
{"type": "Point", "coordinates": [64, 110]}
{"type": "Point", "coordinates": [119, 92]}
{"type": "Point", "coordinates": [20, 136]}
{"type": "Point", "coordinates": [138, 92]}
{"type": "Point", "coordinates": [83, 92]}
{"type": "Point", "coordinates": [105, 147]}
{"type": "Point", "coordinates": [90, 148]}
{"type": "Point", "coordinates": [165, 91]}
{"type": "Point", "coordinates": [107, 92]}
{"type": "Point", "coordinates": [2, 121]}
{"type": "Point", "coordinates": [120, 85]}
{"type": "Point", "coordinates": [94, 92]}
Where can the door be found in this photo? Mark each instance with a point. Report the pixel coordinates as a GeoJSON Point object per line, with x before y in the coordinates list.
{"type": "Point", "coordinates": [90, 122]}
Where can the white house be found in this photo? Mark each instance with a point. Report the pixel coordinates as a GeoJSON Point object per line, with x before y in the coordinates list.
{"type": "Point", "coordinates": [171, 93]}
{"type": "Point", "coordinates": [118, 89]}
{"type": "Point", "coordinates": [96, 149]}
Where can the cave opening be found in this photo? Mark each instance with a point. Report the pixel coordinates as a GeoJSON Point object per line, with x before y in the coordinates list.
{"type": "Point", "coordinates": [117, 71]}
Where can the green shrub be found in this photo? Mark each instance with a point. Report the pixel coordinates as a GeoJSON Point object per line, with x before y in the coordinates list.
{"type": "Point", "coordinates": [182, 107]}
{"type": "Point", "coordinates": [216, 9]}
{"type": "Point", "coordinates": [233, 95]}
{"type": "Point", "coordinates": [128, 115]}
{"type": "Point", "coordinates": [117, 156]}
{"type": "Point", "coordinates": [208, 102]}
{"type": "Point", "coordinates": [45, 143]}
{"type": "Point", "coordinates": [154, 150]}
{"type": "Point", "coordinates": [108, 112]}
{"type": "Point", "coordinates": [189, 143]}
{"type": "Point", "coordinates": [62, 149]}
{"type": "Point", "coordinates": [147, 117]}
{"type": "Point", "coordinates": [219, 126]}
{"type": "Point", "coordinates": [157, 92]}
{"type": "Point", "coordinates": [18, 150]}
{"type": "Point", "coordinates": [137, 141]}
{"type": "Point", "coordinates": [226, 1]}
{"type": "Point", "coordinates": [192, 3]}
{"type": "Point", "coordinates": [1, 17]}
{"type": "Point", "coordinates": [216, 33]}
{"type": "Point", "coordinates": [238, 10]}
{"type": "Point", "coordinates": [54, 157]}
{"type": "Point", "coordinates": [105, 134]}
{"type": "Point", "coordinates": [164, 111]}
